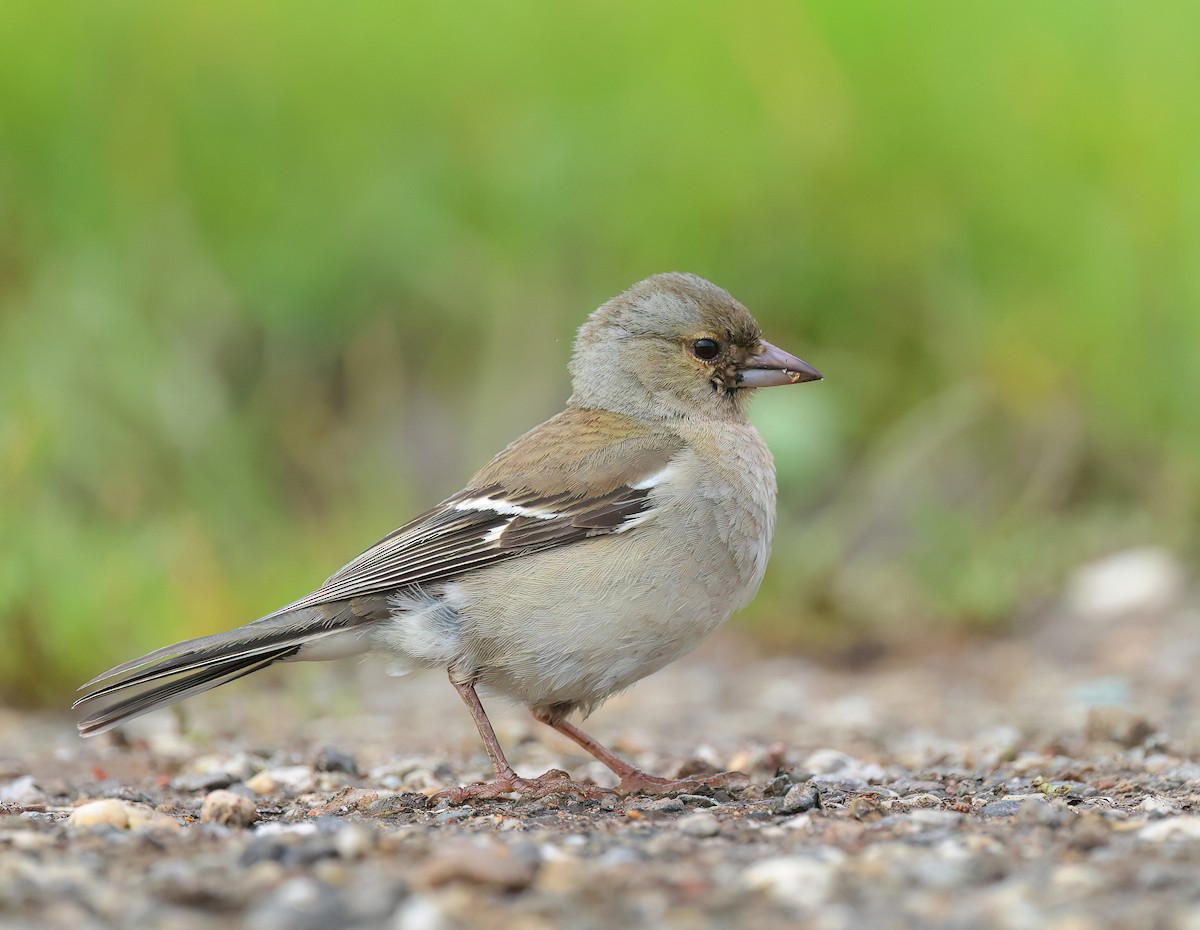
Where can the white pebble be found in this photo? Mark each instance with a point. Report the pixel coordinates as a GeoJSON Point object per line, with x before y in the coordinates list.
{"type": "Point", "coordinates": [122, 815]}
{"type": "Point", "coordinates": [699, 825]}
{"type": "Point", "coordinates": [802, 881]}
{"type": "Point", "coordinates": [289, 779]}
{"type": "Point", "coordinates": [23, 790]}
{"type": "Point", "coordinates": [354, 840]}
{"type": "Point", "coordinates": [1185, 827]}
{"type": "Point", "coordinates": [109, 812]}
{"type": "Point", "coordinates": [228, 808]}
{"type": "Point", "coordinates": [1137, 581]}
{"type": "Point", "coordinates": [833, 765]}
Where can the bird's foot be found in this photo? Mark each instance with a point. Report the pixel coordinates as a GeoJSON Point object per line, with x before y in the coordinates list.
{"type": "Point", "coordinates": [638, 782]}
{"type": "Point", "coordinates": [554, 781]}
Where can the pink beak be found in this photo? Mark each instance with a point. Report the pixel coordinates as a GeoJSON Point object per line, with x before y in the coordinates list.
{"type": "Point", "coordinates": [772, 366]}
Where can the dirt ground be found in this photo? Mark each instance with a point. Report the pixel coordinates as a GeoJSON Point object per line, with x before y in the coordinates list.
{"type": "Point", "coordinates": [1047, 780]}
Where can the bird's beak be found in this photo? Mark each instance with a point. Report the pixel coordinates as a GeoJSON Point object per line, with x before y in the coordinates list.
{"type": "Point", "coordinates": [773, 366]}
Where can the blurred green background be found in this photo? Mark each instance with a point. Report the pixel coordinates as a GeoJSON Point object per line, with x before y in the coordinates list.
{"type": "Point", "coordinates": [274, 278]}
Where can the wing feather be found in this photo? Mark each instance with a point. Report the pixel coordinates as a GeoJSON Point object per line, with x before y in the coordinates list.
{"type": "Point", "coordinates": [452, 539]}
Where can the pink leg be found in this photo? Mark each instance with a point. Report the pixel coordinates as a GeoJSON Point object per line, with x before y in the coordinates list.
{"type": "Point", "coordinates": [507, 780]}
{"type": "Point", "coordinates": [633, 779]}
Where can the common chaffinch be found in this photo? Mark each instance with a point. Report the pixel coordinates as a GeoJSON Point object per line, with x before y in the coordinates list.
{"type": "Point", "coordinates": [595, 549]}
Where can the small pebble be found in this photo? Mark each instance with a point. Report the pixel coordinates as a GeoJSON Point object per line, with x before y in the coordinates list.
{"type": "Point", "coordinates": [833, 765]}
{"type": "Point", "coordinates": [354, 840]}
{"type": "Point", "coordinates": [1157, 807]}
{"type": "Point", "coordinates": [1006, 808]}
{"type": "Point", "coordinates": [933, 817]}
{"type": "Point", "coordinates": [1132, 583]}
{"type": "Point", "coordinates": [492, 865]}
{"type": "Point", "coordinates": [421, 912]}
{"type": "Point", "coordinates": [698, 800]}
{"type": "Point", "coordinates": [24, 841]}
{"type": "Point", "coordinates": [204, 781]}
{"type": "Point", "coordinates": [228, 809]}
{"type": "Point", "coordinates": [919, 801]}
{"type": "Point", "coordinates": [1076, 878]}
{"type": "Point", "coordinates": [802, 881]}
{"type": "Point", "coordinates": [664, 805]}
{"type": "Point", "coordinates": [297, 904]}
{"type": "Point", "coordinates": [1184, 827]}
{"type": "Point", "coordinates": [288, 779]}
{"type": "Point", "coordinates": [800, 798]}
{"type": "Point", "coordinates": [262, 783]}
{"type": "Point", "coordinates": [1038, 810]}
{"type": "Point", "coordinates": [332, 759]}
{"type": "Point", "coordinates": [699, 825]}
{"type": "Point", "coordinates": [240, 766]}
{"type": "Point", "coordinates": [23, 790]}
{"type": "Point", "coordinates": [107, 813]}
{"type": "Point", "coordinates": [864, 807]}
{"type": "Point", "coordinates": [777, 787]}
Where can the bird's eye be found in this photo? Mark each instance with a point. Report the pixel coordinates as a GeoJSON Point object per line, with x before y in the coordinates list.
{"type": "Point", "coordinates": [705, 349]}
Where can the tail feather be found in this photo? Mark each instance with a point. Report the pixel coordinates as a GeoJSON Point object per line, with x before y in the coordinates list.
{"type": "Point", "coordinates": [265, 633]}
{"type": "Point", "coordinates": [193, 659]}
{"type": "Point", "coordinates": [197, 665]}
{"type": "Point", "coordinates": [145, 701]}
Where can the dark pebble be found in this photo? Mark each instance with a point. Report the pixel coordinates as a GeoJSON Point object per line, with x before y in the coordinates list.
{"type": "Point", "coordinates": [800, 798]}
{"type": "Point", "coordinates": [210, 781]}
{"type": "Point", "coordinates": [175, 882]}
{"type": "Point", "coordinates": [698, 800]}
{"type": "Point", "coordinates": [332, 759]}
{"type": "Point", "coordinates": [132, 794]}
{"type": "Point", "coordinates": [1039, 811]}
{"type": "Point", "coordinates": [263, 849]}
{"type": "Point", "coordinates": [664, 805]}
{"type": "Point", "coordinates": [693, 767]}
{"type": "Point", "coordinates": [1000, 809]}
{"type": "Point", "coordinates": [778, 786]}
{"type": "Point", "coordinates": [310, 851]}
{"type": "Point", "coordinates": [292, 853]}
{"type": "Point", "coordinates": [298, 904]}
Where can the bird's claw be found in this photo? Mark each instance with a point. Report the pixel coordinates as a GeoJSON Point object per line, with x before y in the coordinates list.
{"type": "Point", "coordinates": [554, 781]}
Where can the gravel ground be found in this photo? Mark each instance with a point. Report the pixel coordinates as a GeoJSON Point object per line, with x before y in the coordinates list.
{"type": "Point", "coordinates": [1047, 781]}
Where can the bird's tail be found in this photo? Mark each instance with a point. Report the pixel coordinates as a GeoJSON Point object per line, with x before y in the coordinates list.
{"type": "Point", "coordinates": [176, 672]}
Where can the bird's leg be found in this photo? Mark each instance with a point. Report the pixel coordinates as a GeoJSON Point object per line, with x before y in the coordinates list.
{"type": "Point", "coordinates": [466, 691]}
{"type": "Point", "coordinates": [633, 779]}
{"type": "Point", "coordinates": [507, 780]}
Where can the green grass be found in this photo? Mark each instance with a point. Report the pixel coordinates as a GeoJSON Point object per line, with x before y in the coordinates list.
{"type": "Point", "coordinates": [274, 278]}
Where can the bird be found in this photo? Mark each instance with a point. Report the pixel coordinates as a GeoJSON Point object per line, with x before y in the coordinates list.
{"type": "Point", "coordinates": [589, 553]}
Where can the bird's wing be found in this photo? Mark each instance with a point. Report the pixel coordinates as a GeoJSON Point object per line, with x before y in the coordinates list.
{"type": "Point", "coordinates": [582, 474]}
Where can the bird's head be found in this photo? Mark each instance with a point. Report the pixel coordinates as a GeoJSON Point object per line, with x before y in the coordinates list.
{"type": "Point", "coordinates": [676, 345]}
